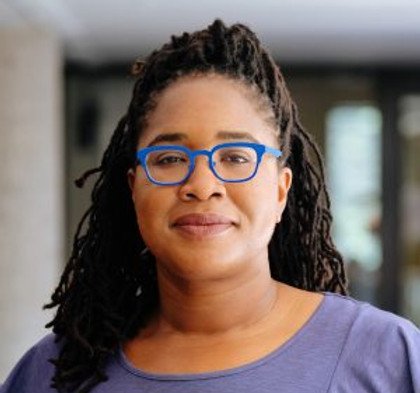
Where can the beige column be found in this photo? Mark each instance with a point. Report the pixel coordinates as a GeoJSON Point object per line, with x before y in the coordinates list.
{"type": "Point", "coordinates": [31, 186]}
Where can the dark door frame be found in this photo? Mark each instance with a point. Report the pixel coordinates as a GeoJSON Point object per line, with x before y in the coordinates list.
{"type": "Point", "coordinates": [392, 85]}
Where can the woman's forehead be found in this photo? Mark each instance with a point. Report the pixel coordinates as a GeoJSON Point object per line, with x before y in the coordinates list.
{"type": "Point", "coordinates": [206, 107]}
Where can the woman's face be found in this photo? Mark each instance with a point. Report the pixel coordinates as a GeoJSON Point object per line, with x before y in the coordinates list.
{"type": "Point", "coordinates": [200, 112]}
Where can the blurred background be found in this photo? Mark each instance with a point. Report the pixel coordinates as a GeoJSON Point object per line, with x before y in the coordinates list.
{"type": "Point", "coordinates": [352, 67]}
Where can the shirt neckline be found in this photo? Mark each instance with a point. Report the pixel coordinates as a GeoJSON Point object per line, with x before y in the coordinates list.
{"type": "Point", "coordinates": [128, 366]}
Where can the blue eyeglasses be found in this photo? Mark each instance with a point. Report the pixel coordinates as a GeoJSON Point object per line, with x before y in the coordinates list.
{"type": "Point", "coordinates": [230, 162]}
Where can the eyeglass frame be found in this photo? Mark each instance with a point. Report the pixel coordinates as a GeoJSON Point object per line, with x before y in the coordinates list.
{"type": "Point", "coordinates": [260, 149]}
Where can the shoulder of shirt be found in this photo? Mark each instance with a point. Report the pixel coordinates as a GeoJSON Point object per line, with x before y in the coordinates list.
{"type": "Point", "coordinates": [376, 336]}
{"type": "Point", "coordinates": [381, 349]}
{"type": "Point", "coordinates": [45, 349]}
{"type": "Point", "coordinates": [33, 368]}
{"type": "Point", "coordinates": [46, 346]}
{"type": "Point", "coordinates": [369, 316]}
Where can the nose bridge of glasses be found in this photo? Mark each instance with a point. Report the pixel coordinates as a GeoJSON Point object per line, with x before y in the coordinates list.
{"type": "Point", "coordinates": [195, 153]}
{"type": "Point", "coordinates": [208, 166]}
{"type": "Point", "coordinates": [202, 152]}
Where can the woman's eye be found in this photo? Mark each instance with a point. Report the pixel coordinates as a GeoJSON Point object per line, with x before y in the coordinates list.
{"type": "Point", "coordinates": [166, 160]}
{"type": "Point", "coordinates": [235, 159]}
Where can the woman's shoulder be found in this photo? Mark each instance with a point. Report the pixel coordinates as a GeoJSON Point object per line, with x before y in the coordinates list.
{"type": "Point", "coordinates": [47, 345]}
{"type": "Point", "coordinates": [46, 348]}
{"type": "Point", "coordinates": [34, 370]}
{"type": "Point", "coordinates": [367, 316]}
{"type": "Point", "coordinates": [381, 351]}
{"type": "Point", "coordinates": [370, 325]}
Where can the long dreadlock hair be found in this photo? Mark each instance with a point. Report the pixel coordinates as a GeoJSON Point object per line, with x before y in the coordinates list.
{"type": "Point", "coordinates": [109, 286]}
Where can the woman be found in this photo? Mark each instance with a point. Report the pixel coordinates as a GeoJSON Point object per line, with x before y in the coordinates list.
{"type": "Point", "coordinates": [207, 264]}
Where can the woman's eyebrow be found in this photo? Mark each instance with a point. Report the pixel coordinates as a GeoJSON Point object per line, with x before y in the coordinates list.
{"type": "Point", "coordinates": [229, 135]}
{"type": "Point", "coordinates": [236, 135]}
{"type": "Point", "coordinates": [172, 137]}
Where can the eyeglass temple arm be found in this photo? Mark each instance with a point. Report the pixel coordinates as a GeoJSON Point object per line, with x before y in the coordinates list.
{"type": "Point", "coordinates": [275, 152]}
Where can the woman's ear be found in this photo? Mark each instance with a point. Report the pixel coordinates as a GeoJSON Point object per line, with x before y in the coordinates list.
{"type": "Point", "coordinates": [284, 183]}
{"type": "Point", "coordinates": [131, 175]}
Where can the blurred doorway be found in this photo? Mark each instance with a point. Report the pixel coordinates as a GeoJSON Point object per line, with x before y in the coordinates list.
{"type": "Point", "coordinates": [368, 127]}
{"type": "Point", "coordinates": [409, 132]}
{"type": "Point", "coordinates": [340, 109]}
{"type": "Point", "coordinates": [353, 163]}
{"type": "Point", "coordinates": [399, 92]}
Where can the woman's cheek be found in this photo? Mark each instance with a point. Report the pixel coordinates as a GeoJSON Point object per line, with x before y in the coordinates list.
{"type": "Point", "coordinates": [152, 211]}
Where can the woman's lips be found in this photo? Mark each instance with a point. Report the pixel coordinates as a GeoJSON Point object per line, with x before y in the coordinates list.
{"type": "Point", "coordinates": [203, 230]}
{"type": "Point", "coordinates": [203, 225]}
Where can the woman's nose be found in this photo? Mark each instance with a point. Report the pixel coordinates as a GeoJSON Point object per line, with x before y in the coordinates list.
{"type": "Point", "coordinates": [202, 183]}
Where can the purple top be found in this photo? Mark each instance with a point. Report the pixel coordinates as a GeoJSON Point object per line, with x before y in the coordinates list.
{"type": "Point", "coordinates": [347, 346]}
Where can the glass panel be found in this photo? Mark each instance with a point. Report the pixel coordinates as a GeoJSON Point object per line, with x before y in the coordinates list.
{"type": "Point", "coordinates": [353, 147]}
{"type": "Point", "coordinates": [409, 127]}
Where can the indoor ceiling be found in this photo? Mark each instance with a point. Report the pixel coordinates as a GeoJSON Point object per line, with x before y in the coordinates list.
{"type": "Point", "coordinates": [297, 31]}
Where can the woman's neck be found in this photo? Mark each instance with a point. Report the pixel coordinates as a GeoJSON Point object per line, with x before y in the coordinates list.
{"type": "Point", "coordinates": [215, 307]}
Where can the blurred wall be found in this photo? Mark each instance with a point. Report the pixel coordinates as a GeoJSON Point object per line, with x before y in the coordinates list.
{"type": "Point", "coordinates": [31, 178]}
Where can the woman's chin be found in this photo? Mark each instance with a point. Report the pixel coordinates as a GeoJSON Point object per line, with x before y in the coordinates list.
{"type": "Point", "coordinates": [201, 266]}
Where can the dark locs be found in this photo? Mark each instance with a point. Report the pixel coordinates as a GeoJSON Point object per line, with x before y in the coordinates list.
{"type": "Point", "coordinates": [109, 288]}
